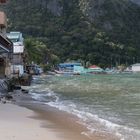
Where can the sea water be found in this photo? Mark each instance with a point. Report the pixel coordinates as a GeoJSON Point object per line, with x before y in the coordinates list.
{"type": "Point", "coordinates": [104, 103]}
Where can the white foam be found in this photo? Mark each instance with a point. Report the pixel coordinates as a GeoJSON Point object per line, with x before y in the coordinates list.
{"type": "Point", "coordinates": [88, 119]}
{"type": "Point", "coordinates": [36, 96]}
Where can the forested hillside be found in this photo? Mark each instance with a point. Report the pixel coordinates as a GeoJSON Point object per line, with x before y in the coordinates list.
{"type": "Point", "coordinates": [103, 32]}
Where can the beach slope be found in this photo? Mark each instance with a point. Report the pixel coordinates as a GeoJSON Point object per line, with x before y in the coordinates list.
{"type": "Point", "coordinates": [16, 124]}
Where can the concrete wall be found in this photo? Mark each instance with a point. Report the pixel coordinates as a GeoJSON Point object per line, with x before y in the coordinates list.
{"type": "Point", "coordinates": [17, 59]}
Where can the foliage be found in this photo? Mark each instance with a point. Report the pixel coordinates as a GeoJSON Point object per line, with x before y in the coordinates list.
{"type": "Point", "coordinates": [39, 53]}
{"type": "Point", "coordinates": [73, 35]}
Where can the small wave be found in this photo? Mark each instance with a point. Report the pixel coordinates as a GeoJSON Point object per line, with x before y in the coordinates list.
{"type": "Point", "coordinates": [96, 124]}
{"type": "Point", "coordinates": [50, 96]}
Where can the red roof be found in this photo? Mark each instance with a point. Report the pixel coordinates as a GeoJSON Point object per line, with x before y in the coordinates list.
{"type": "Point", "coordinates": [93, 66]}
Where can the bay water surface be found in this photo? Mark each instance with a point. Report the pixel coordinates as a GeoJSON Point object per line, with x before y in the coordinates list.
{"type": "Point", "coordinates": [103, 103]}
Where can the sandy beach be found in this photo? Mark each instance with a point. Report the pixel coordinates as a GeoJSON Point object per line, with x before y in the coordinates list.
{"type": "Point", "coordinates": [16, 124]}
{"type": "Point", "coordinates": [19, 123]}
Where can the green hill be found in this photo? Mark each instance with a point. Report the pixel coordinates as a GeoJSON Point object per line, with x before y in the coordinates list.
{"type": "Point", "coordinates": [104, 32]}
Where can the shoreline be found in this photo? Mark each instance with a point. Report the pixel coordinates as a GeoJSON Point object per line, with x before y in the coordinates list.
{"type": "Point", "coordinates": [68, 124]}
{"type": "Point", "coordinates": [16, 124]}
{"type": "Point", "coordinates": [16, 119]}
{"type": "Point", "coordinates": [48, 122]}
{"type": "Point", "coordinates": [61, 122]}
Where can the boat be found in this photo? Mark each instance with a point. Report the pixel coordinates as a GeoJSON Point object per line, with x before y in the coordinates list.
{"type": "Point", "coordinates": [69, 68]}
{"type": "Point", "coordinates": [95, 70]}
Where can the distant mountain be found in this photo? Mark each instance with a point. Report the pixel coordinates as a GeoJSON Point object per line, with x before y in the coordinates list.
{"type": "Point", "coordinates": [119, 18]}
{"type": "Point", "coordinates": [136, 1]}
{"type": "Point", "coordinates": [98, 31]}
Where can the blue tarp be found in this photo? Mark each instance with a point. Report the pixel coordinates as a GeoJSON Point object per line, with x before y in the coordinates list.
{"type": "Point", "coordinates": [64, 65]}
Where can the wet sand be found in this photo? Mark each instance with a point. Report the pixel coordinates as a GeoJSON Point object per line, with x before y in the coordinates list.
{"type": "Point", "coordinates": [41, 122]}
{"type": "Point", "coordinates": [66, 125]}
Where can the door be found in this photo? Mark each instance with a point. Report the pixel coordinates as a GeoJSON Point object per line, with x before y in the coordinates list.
{"type": "Point", "coordinates": [2, 68]}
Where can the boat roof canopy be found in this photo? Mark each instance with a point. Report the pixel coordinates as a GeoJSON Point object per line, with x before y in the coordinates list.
{"type": "Point", "coordinates": [69, 64]}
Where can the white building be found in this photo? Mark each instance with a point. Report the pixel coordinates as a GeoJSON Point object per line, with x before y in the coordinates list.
{"type": "Point", "coordinates": [18, 51]}
{"type": "Point", "coordinates": [136, 67]}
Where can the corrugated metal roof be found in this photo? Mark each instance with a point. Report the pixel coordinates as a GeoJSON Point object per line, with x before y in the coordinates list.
{"type": "Point", "coordinates": [15, 37]}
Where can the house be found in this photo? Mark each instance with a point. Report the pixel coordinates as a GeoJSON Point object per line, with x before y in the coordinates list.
{"type": "Point", "coordinates": [6, 48]}
{"type": "Point", "coordinates": [135, 67]}
{"type": "Point", "coordinates": [18, 53]}
{"type": "Point", "coordinates": [68, 67]}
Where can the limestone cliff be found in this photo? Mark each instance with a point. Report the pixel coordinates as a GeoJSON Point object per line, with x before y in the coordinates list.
{"type": "Point", "coordinates": [81, 28]}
